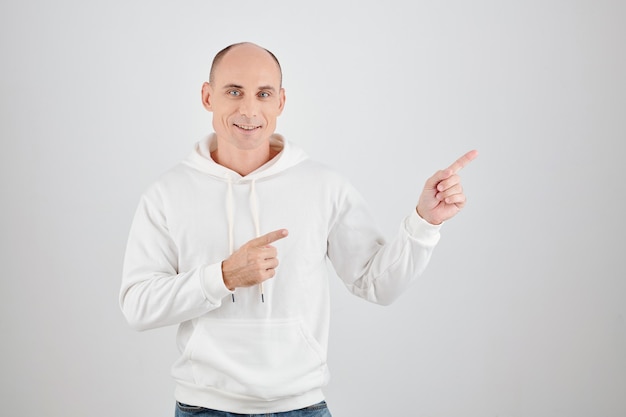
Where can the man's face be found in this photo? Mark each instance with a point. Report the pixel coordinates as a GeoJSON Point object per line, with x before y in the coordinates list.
{"type": "Point", "coordinates": [245, 97]}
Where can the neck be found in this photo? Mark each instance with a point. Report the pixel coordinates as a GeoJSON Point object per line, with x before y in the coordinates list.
{"type": "Point", "coordinates": [242, 161]}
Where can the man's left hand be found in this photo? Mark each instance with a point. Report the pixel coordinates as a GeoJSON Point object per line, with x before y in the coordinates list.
{"type": "Point", "coordinates": [443, 197]}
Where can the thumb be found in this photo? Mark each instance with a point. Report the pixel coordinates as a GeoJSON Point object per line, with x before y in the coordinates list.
{"type": "Point", "coordinates": [437, 177]}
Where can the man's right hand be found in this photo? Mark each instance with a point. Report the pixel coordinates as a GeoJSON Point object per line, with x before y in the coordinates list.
{"type": "Point", "coordinates": [252, 263]}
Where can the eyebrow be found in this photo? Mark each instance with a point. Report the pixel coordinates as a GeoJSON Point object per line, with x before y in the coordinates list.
{"type": "Point", "coordinates": [263, 87]}
{"type": "Point", "coordinates": [232, 86]}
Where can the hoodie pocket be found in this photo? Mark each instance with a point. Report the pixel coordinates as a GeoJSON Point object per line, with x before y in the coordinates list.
{"type": "Point", "coordinates": [257, 358]}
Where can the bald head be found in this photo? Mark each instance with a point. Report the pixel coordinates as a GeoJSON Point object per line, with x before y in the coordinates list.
{"type": "Point", "coordinates": [244, 47]}
{"type": "Point", "coordinates": [245, 96]}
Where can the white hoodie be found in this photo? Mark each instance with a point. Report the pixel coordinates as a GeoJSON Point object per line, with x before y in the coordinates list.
{"type": "Point", "coordinates": [240, 354]}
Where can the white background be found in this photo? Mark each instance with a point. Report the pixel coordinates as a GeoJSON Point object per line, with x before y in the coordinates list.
{"type": "Point", "coordinates": [522, 311]}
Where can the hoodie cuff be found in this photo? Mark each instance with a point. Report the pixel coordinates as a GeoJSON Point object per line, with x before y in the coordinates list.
{"type": "Point", "coordinates": [212, 283]}
{"type": "Point", "coordinates": [421, 230]}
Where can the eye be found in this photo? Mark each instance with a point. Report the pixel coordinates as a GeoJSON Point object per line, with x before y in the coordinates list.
{"type": "Point", "coordinates": [264, 94]}
{"type": "Point", "coordinates": [234, 93]}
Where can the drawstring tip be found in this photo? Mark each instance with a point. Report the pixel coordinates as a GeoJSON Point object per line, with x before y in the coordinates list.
{"type": "Point", "coordinates": [262, 298]}
{"type": "Point", "coordinates": [233, 297]}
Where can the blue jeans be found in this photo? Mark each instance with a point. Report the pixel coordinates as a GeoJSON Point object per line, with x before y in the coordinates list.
{"type": "Point", "coordinates": [316, 410]}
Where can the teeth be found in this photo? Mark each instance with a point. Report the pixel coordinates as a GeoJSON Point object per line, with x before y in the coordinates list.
{"type": "Point", "coordinates": [246, 127]}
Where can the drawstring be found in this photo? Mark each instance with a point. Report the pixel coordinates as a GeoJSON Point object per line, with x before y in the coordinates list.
{"type": "Point", "coordinates": [229, 218]}
{"type": "Point", "coordinates": [229, 214]}
{"type": "Point", "coordinates": [254, 209]}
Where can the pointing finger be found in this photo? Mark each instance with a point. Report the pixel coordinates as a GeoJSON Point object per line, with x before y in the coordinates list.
{"type": "Point", "coordinates": [269, 238]}
{"type": "Point", "coordinates": [463, 161]}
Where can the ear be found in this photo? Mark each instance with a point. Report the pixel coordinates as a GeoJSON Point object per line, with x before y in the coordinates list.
{"type": "Point", "coordinates": [207, 93]}
{"type": "Point", "coordinates": [282, 99]}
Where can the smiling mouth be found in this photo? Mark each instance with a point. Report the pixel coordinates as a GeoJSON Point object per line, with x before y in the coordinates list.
{"type": "Point", "coordinates": [246, 127]}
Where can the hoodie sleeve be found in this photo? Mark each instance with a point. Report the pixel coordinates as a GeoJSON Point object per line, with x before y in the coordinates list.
{"type": "Point", "coordinates": [371, 268]}
{"type": "Point", "coordinates": [153, 292]}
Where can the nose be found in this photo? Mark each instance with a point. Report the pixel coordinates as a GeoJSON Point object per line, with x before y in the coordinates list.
{"type": "Point", "coordinates": [248, 106]}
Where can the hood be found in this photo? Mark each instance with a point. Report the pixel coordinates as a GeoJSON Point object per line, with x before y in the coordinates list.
{"type": "Point", "coordinates": [289, 155]}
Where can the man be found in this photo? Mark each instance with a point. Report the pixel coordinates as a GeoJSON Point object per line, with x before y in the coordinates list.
{"type": "Point", "coordinates": [204, 246]}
